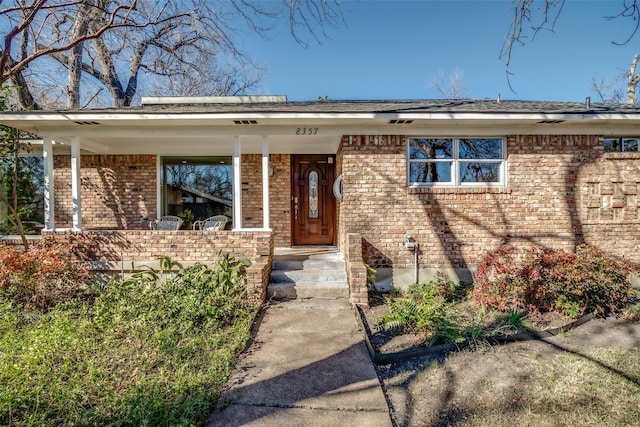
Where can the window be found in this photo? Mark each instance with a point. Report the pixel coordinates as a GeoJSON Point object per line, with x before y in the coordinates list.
{"type": "Point", "coordinates": [196, 188]}
{"type": "Point", "coordinates": [621, 144]}
{"type": "Point", "coordinates": [456, 161]}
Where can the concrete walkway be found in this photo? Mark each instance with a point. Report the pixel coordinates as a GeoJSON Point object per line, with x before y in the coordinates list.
{"type": "Point", "coordinates": [307, 366]}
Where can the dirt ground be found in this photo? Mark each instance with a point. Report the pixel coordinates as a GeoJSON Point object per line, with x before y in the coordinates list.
{"type": "Point", "coordinates": [493, 385]}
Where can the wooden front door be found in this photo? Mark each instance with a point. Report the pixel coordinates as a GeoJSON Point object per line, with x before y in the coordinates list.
{"type": "Point", "coordinates": [313, 204]}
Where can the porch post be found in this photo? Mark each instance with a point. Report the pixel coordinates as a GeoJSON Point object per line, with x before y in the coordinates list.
{"type": "Point", "coordinates": [237, 187]}
{"type": "Point", "coordinates": [76, 196]}
{"type": "Point", "coordinates": [265, 182]}
{"type": "Point", "coordinates": [49, 193]}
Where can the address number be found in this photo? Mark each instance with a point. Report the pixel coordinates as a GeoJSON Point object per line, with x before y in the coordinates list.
{"type": "Point", "coordinates": [307, 131]}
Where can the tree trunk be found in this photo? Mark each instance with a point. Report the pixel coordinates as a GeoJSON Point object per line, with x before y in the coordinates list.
{"type": "Point", "coordinates": [74, 64]}
{"type": "Point", "coordinates": [633, 81]}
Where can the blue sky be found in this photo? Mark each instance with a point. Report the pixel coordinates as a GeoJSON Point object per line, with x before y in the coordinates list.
{"type": "Point", "coordinates": [394, 49]}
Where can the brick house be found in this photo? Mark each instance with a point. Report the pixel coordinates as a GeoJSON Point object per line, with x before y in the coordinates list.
{"type": "Point", "coordinates": [408, 187]}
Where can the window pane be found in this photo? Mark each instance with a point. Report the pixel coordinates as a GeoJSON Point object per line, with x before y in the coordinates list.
{"type": "Point", "coordinates": [430, 148]}
{"type": "Point", "coordinates": [630, 144]}
{"type": "Point", "coordinates": [479, 172]}
{"type": "Point", "coordinates": [200, 185]}
{"type": "Point", "coordinates": [430, 172]}
{"type": "Point", "coordinates": [481, 148]}
{"type": "Point", "coordinates": [612, 144]}
{"type": "Point", "coordinates": [313, 194]}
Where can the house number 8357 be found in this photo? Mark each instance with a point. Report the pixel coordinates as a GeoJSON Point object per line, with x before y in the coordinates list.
{"type": "Point", "coordinates": [306, 131]}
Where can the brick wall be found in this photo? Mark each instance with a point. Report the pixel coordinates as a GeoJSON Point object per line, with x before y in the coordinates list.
{"type": "Point", "coordinates": [130, 250]}
{"type": "Point", "coordinates": [562, 191]}
{"type": "Point", "coordinates": [118, 191]}
{"type": "Point", "coordinates": [279, 195]}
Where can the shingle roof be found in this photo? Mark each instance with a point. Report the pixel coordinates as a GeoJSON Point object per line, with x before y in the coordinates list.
{"type": "Point", "coordinates": [388, 106]}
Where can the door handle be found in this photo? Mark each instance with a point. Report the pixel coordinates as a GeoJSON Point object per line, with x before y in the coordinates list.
{"type": "Point", "coordinates": [295, 211]}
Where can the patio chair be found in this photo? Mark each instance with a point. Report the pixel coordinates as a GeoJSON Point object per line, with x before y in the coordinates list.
{"type": "Point", "coordinates": [167, 222]}
{"type": "Point", "coordinates": [212, 223]}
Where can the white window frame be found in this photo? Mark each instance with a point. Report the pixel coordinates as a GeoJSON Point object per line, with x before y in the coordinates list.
{"type": "Point", "coordinates": [455, 160]}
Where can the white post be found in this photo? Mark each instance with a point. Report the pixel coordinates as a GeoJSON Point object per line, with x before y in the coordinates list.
{"type": "Point", "coordinates": [49, 193]}
{"type": "Point", "coordinates": [237, 187]}
{"type": "Point", "coordinates": [265, 182]}
{"type": "Point", "coordinates": [76, 196]}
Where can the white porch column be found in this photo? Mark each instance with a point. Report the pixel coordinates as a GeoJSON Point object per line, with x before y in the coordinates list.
{"type": "Point", "coordinates": [237, 187]}
{"type": "Point", "coordinates": [49, 193]}
{"type": "Point", "coordinates": [265, 182]}
{"type": "Point", "coordinates": [76, 196]}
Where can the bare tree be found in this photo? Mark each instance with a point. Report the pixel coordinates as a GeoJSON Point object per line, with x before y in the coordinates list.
{"type": "Point", "coordinates": [451, 88]}
{"type": "Point", "coordinates": [115, 43]}
{"type": "Point", "coordinates": [608, 90]}
{"type": "Point", "coordinates": [37, 28]}
{"type": "Point", "coordinates": [632, 81]}
{"type": "Point", "coordinates": [532, 16]}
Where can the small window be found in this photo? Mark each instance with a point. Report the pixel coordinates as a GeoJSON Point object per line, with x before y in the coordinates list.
{"type": "Point", "coordinates": [456, 161]}
{"type": "Point", "coordinates": [617, 145]}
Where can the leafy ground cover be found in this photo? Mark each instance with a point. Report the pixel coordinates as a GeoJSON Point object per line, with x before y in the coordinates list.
{"type": "Point", "coordinates": [515, 290]}
{"type": "Point", "coordinates": [155, 349]}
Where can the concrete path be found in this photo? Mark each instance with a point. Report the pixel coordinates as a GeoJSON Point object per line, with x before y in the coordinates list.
{"type": "Point", "coordinates": [307, 366]}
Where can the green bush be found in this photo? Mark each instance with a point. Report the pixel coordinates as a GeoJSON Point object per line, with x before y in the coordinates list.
{"type": "Point", "coordinates": [422, 310]}
{"type": "Point", "coordinates": [41, 277]}
{"type": "Point", "coordinates": [155, 349]}
{"type": "Point", "coordinates": [542, 279]}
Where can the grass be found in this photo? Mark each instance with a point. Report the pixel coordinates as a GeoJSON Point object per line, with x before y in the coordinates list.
{"type": "Point", "coordinates": [595, 389]}
{"type": "Point", "coordinates": [153, 350]}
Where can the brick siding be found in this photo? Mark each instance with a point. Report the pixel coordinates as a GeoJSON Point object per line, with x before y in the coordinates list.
{"type": "Point", "coordinates": [130, 250]}
{"type": "Point", "coordinates": [279, 195]}
{"type": "Point", "coordinates": [562, 191]}
{"type": "Point", "coordinates": [118, 191]}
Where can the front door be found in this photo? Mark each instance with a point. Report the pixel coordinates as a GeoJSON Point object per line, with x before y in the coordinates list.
{"type": "Point", "coordinates": [313, 204]}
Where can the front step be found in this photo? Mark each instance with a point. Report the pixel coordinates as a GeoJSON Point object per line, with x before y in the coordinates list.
{"type": "Point", "coordinates": [308, 272]}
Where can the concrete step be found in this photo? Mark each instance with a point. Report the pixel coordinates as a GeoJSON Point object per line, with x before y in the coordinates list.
{"type": "Point", "coordinates": [292, 264]}
{"type": "Point", "coordinates": [303, 276]}
{"type": "Point", "coordinates": [308, 272]}
{"type": "Point", "coordinates": [320, 290]}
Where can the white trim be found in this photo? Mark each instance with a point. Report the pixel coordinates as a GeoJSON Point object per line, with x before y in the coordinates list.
{"type": "Point", "coordinates": [76, 190]}
{"type": "Point", "coordinates": [159, 185]}
{"type": "Point", "coordinates": [265, 182]}
{"type": "Point", "coordinates": [237, 183]}
{"type": "Point", "coordinates": [49, 193]}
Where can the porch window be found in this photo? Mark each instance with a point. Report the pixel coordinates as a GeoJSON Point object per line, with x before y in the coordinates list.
{"type": "Point", "coordinates": [195, 188]}
{"type": "Point", "coordinates": [456, 161]}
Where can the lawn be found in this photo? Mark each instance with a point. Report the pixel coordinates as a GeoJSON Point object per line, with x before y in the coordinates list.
{"type": "Point", "coordinates": [587, 377]}
{"type": "Point", "coordinates": [155, 349]}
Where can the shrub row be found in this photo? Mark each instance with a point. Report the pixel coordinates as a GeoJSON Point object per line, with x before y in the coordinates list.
{"type": "Point", "coordinates": [542, 279]}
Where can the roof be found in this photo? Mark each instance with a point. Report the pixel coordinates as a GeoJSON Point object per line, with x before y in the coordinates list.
{"type": "Point", "coordinates": [374, 106]}
{"type": "Point", "coordinates": [209, 126]}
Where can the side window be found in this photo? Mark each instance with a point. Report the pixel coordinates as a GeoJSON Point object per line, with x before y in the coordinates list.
{"type": "Point", "coordinates": [616, 145]}
{"type": "Point", "coordinates": [456, 161]}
